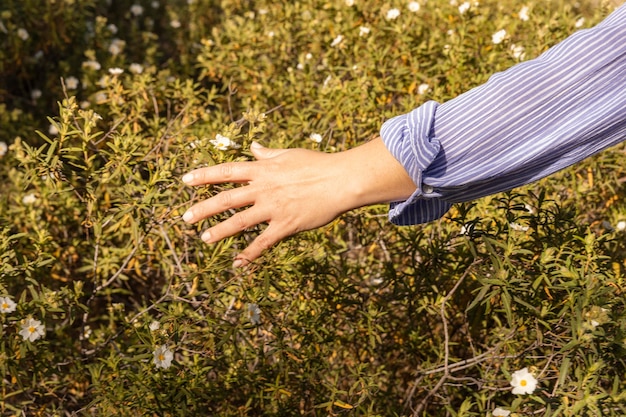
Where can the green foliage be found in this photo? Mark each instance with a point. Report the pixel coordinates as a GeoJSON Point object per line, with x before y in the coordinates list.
{"type": "Point", "coordinates": [358, 317]}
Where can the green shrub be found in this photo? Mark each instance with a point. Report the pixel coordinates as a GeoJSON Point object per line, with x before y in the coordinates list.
{"type": "Point", "coordinates": [131, 314]}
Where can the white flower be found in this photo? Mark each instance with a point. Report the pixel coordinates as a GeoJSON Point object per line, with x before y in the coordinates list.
{"type": "Point", "coordinates": [116, 46]}
{"type": "Point", "coordinates": [315, 137]}
{"type": "Point", "coordinates": [32, 330]}
{"type": "Point", "coordinates": [3, 149]}
{"type": "Point", "coordinates": [29, 198]}
{"type": "Point", "coordinates": [349, 3]}
{"type": "Point", "coordinates": [7, 305]}
{"type": "Point", "coordinates": [517, 51]}
{"type": "Point", "coordinates": [518, 227]}
{"type": "Point", "coordinates": [621, 225]}
{"type": "Point", "coordinates": [175, 23]}
{"type": "Point", "coordinates": [22, 34]}
{"type": "Point", "coordinates": [580, 22]}
{"type": "Point", "coordinates": [154, 326]}
{"type": "Point", "coordinates": [523, 13]}
{"type": "Point", "coordinates": [414, 6]}
{"type": "Point", "coordinates": [112, 28]}
{"type": "Point", "coordinates": [308, 56]}
{"type": "Point", "coordinates": [115, 71]}
{"type": "Point", "coordinates": [136, 10]}
{"type": "Point", "coordinates": [163, 357]}
{"type": "Point", "coordinates": [35, 94]}
{"type": "Point", "coordinates": [393, 14]}
{"type": "Point", "coordinates": [336, 41]}
{"type": "Point", "coordinates": [523, 382]}
{"type": "Point", "coordinates": [499, 36]}
{"type": "Point", "coordinates": [464, 7]}
{"type": "Point", "coordinates": [155, 4]}
{"type": "Point", "coordinates": [135, 68]}
{"type": "Point", "coordinates": [71, 83]}
{"type": "Point", "coordinates": [423, 89]}
{"type": "Point", "coordinates": [223, 143]}
{"type": "Point", "coordinates": [364, 30]}
{"type": "Point", "coordinates": [500, 412]}
{"type": "Point", "coordinates": [91, 64]}
{"type": "Point", "coordinates": [254, 314]}
{"type": "Point", "coordinates": [594, 323]}
{"type": "Point", "coordinates": [100, 97]}
{"type": "Point", "coordinates": [53, 130]}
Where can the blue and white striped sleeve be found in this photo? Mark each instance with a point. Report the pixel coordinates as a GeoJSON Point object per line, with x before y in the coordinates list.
{"type": "Point", "coordinates": [525, 123]}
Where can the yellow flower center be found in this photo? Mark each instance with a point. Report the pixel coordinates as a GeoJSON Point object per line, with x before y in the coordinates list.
{"type": "Point", "coordinates": [5, 306]}
{"type": "Point", "coordinates": [523, 382]}
{"type": "Point", "coordinates": [161, 357]}
{"type": "Point", "coordinates": [31, 329]}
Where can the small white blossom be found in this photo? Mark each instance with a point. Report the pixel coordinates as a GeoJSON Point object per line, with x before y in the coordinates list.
{"type": "Point", "coordinates": [71, 83]}
{"type": "Point", "coordinates": [136, 10]}
{"type": "Point", "coordinates": [175, 23]}
{"type": "Point", "coordinates": [523, 382]}
{"type": "Point", "coordinates": [135, 68]}
{"type": "Point", "coordinates": [499, 36]}
{"type": "Point", "coordinates": [29, 198]}
{"type": "Point", "coordinates": [464, 7]}
{"type": "Point", "coordinates": [500, 412]}
{"type": "Point", "coordinates": [308, 56]}
{"type": "Point", "coordinates": [336, 41]}
{"type": "Point", "coordinates": [53, 130]}
{"type": "Point", "coordinates": [155, 4]}
{"type": "Point", "coordinates": [414, 6]}
{"type": "Point", "coordinates": [100, 97]}
{"type": "Point", "coordinates": [315, 137]}
{"type": "Point", "coordinates": [423, 89]}
{"type": "Point", "coordinates": [364, 30]}
{"type": "Point", "coordinates": [518, 52]}
{"type": "Point", "coordinates": [35, 94]}
{"type": "Point", "coordinates": [349, 3]}
{"type": "Point", "coordinates": [22, 34]}
{"type": "Point", "coordinates": [91, 64]}
{"type": "Point", "coordinates": [621, 225]}
{"type": "Point", "coordinates": [580, 22]}
{"type": "Point", "coordinates": [115, 71]}
{"type": "Point", "coordinates": [518, 227]}
{"type": "Point", "coordinates": [32, 330]}
{"type": "Point", "coordinates": [270, 34]}
{"type": "Point", "coordinates": [112, 28]}
{"type": "Point", "coordinates": [523, 14]}
{"type": "Point", "coordinates": [163, 357]}
{"type": "Point", "coordinates": [393, 14]}
{"type": "Point", "coordinates": [223, 143]}
{"type": "Point", "coordinates": [116, 46]}
{"type": "Point", "coordinates": [86, 333]}
{"type": "Point", "coordinates": [7, 305]}
{"type": "Point", "coordinates": [154, 326]}
{"type": "Point", "coordinates": [254, 314]}
{"type": "Point", "coordinates": [4, 148]}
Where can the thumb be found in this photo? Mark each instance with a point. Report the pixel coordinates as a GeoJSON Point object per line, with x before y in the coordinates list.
{"type": "Point", "coordinates": [261, 152]}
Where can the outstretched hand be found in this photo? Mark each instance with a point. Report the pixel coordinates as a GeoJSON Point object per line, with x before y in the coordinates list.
{"type": "Point", "coordinates": [293, 190]}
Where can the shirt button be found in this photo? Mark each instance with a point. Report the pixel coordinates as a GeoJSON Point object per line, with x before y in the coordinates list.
{"type": "Point", "coordinates": [427, 189]}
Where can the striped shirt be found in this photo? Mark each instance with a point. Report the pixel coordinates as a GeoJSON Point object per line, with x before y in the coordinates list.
{"type": "Point", "coordinates": [523, 124]}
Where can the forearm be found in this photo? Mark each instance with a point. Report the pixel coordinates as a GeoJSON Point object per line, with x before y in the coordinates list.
{"type": "Point", "coordinates": [523, 124]}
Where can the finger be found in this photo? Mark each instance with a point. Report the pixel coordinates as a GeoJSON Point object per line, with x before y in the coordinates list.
{"type": "Point", "coordinates": [236, 223]}
{"type": "Point", "coordinates": [261, 152]}
{"type": "Point", "coordinates": [226, 200]}
{"type": "Point", "coordinates": [237, 172]}
{"type": "Point", "coordinates": [267, 239]}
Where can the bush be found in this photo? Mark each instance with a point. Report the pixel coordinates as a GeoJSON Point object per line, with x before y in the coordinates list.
{"type": "Point", "coordinates": [111, 305]}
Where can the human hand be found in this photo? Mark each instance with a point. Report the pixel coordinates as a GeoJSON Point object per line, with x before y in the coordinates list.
{"type": "Point", "coordinates": [293, 190]}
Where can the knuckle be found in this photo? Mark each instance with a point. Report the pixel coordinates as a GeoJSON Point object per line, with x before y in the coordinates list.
{"type": "Point", "coordinates": [226, 170]}
{"type": "Point", "coordinates": [240, 220]}
{"type": "Point", "coordinates": [225, 199]}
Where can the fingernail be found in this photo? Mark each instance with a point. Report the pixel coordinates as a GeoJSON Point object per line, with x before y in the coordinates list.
{"type": "Point", "coordinates": [237, 263]}
{"type": "Point", "coordinates": [206, 236]}
{"type": "Point", "coordinates": [188, 216]}
{"type": "Point", "coordinates": [256, 145]}
{"type": "Point", "coordinates": [187, 178]}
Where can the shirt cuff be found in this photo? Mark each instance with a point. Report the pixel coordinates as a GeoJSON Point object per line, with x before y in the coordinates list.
{"type": "Point", "coordinates": [410, 139]}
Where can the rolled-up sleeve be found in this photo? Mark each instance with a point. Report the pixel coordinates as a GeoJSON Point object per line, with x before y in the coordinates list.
{"type": "Point", "coordinates": [525, 123]}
